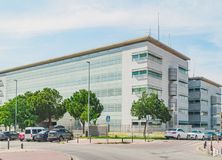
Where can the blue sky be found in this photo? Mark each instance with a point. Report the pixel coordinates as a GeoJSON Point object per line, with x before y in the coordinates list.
{"type": "Point", "coordinates": [32, 31]}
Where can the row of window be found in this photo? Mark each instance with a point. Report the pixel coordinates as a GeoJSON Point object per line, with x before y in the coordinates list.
{"type": "Point", "coordinates": [203, 113]}
{"type": "Point", "coordinates": [183, 97]}
{"type": "Point", "coordinates": [204, 102]}
{"type": "Point", "coordinates": [198, 90]}
{"type": "Point", "coordinates": [112, 108]}
{"type": "Point", "coordinates": [183, 70]}
{"type": "Point", "coordinates": [140, 56]}
{"type": "Point", "coordinates": [142, 73]}
{"type": "Point", "coordinates": [109, 92]}
{"type": "Point", "coordinates": [140, 90]}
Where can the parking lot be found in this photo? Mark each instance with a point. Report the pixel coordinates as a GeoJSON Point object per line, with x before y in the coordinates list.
{"type": "Point", "coordinates": [140, 150]}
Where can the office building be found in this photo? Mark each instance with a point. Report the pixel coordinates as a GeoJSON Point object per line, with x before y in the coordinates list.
{"type": "Point", "coordinates": [204, 103]}
{"type": "Point", "coordinates": [119, 74]}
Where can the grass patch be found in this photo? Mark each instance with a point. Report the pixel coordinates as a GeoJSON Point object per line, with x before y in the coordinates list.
{"type": "Point", "coordinates": [116, 135]}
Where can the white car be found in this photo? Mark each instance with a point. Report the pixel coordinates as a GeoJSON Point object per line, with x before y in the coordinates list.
{"type": "Point", "coordinates": [196, 134]}
{"type": "Point", "coordinates": [176, 133]}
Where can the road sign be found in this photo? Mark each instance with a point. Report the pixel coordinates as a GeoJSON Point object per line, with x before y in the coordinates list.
{"type": "Point", "coordinates": [107, 119]}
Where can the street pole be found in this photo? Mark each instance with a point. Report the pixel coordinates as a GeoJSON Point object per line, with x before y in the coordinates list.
{"type": "Point", "coordinates": [16, 105]}
{"type": "Point", "coordinates": [88, 96]}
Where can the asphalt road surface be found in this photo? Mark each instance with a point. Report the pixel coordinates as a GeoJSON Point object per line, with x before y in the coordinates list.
{"type": "Point", "coordinates": [156, 150]}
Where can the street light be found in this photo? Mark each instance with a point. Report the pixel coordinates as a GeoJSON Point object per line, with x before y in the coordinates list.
{"type": "Point", "coordinates": [16, 105]}
{"type": "Point", "coordinates": [88, 94]}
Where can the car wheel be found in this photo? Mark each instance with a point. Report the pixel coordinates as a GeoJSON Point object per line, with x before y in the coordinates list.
{"type": "Point", "coordinates": [61, 138]}
{"type": "Point", "coordinates": [196, 137]}
{"type": "Point", "coordinates": [178, 136]}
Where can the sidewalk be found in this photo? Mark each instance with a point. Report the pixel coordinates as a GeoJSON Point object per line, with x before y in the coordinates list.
{"type": "Point", "coordinates": [33, 155]}
{"type": "Point", "coordinates": [215, 150]}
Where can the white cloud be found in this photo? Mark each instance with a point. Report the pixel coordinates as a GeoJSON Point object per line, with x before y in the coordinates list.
{"type": "Point", "coordinates": [180, 16]}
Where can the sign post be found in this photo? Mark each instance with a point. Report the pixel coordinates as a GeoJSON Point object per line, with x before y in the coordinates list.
{"type": "Point", "coordinates": [107, 127]}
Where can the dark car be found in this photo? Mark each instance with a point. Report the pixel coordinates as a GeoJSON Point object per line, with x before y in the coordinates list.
{"type": "Point", "coordinates": [3, 136]}
{"type": "Point", "coordinates": [209, 135]}
{"type": "Point", "coordinates": [11, 135]}
{"type": "Point", "coordinates": [59, 135]}
{"type": "Point", "coordinates": [41, 136]}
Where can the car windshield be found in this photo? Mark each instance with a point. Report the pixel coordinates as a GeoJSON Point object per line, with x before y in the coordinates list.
{"type": "Point", "coordinates": [42, 132]}
{"type": "Point", "coordinates": [27, 131]}
{"type": "Point", "coordinates": [171, 129]}
{"type": "Point", "coordinates": [195, 131]}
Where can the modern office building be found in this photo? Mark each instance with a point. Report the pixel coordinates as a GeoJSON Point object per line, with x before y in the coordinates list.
{"type": "Point", "coordinates": [119, 74]}
{"type": "Point", "coordinates": [204, 103]}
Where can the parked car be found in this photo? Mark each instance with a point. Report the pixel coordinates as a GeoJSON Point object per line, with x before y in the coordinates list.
{"type": "Point", "coordinates": [58, 126]}
{"type": "Point", "coordinates": [3, 136]}
{"type": "Point", "coordinates": [176, 133]}
{"type": "Point", "coordinates": [59, 134]}
{"type": "Point", "coordinates": [196, 134]}
{"type": "Point", "coordinates": [41, 136]}
{"type": "Point", "coordinates": [210, 134]}
{"type": "Point", "coordinates": [32, 131]}
{"type": "Point", "coordinates": [219, 135]}
{"type": "Point", "coordinates": [21, 136]}
{"type": "Point", "coordinates": [11, 135]}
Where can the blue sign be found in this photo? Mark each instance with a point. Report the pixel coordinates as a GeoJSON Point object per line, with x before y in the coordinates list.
{"type": "Point", "coordinates": [107, 119]}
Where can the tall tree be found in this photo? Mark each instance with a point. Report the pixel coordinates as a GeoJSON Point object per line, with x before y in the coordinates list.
{"type": "Point", "coordinates": [26, 115]}
{"type": "Point", "coordinates": [150, 105]}
{"type": "Point", "coordinates": [47, 104]}
{"type": "Point", "coordinates": [6, 115]}
{"type": "Point", "coordinates": [77, 106]}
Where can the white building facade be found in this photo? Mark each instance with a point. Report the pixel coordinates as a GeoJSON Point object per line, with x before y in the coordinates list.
{"type": "Point", "coordinates": [204, 103]}
{"type": "Point", "coordinates": [119, 74]}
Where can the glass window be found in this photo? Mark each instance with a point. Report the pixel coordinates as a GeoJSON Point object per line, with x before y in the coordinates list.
{"type": "Point", "coordinates": [27, 131]}
{"type": "Point", "coordinates": [154, 74]}
{"type": "Point", "coordinates": [140, 56]}
{"type": "Point", "coordinates": [183, 70]}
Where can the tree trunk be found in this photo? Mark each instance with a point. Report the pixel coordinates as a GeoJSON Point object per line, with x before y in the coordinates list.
{"type": "Point", "coordinates": [83, 127]}
{"type": "Point", "coordinates": [144, 132]}
{"type": "Point", "coordinates": [49, 122]}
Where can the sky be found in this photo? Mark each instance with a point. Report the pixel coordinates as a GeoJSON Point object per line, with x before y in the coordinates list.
{"type": "Point", "coordinates": [35, 30]}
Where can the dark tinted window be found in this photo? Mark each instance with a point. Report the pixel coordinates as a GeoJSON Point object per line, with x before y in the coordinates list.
{"type": "Point", "coordinates": [34, 131]}
{"type": "Point", "coordinates": [27, 131]}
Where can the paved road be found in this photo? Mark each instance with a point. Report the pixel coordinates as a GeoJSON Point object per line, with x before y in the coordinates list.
{"type": "Point", "coordinates": [156, 150]}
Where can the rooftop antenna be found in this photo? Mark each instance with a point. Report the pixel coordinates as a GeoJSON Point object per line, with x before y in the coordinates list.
{"type": "Point", "coordinates": [150, 31]}
{"type": "Point", "coordinates": [169, 40]}
{"type": "Point", "coordinates": [194, 67]}
{"type": "Point", "coordinates": [158, 28]}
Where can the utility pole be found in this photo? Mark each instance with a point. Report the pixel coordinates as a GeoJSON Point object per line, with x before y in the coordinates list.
{"type": "Point", "coordinates": [16, 105]}
{"type": "Point", "coordinates": [88, 96]}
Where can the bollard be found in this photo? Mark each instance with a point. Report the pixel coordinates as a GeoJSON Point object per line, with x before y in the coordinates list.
{"type": "Point", "coordinates": [8, 143]}
{"type": "Point", "coordinates": [132, 139]}
{"type": "Point", "coordinates": [21, 145]}
{"type": "Point", "coordinates": [211, 145]}
{"type": "Point", "coordinates": [77, 139]}
{"type": "Point", "coordinates": [67, 140]}
{"type": "Point", "coordinates": [90, 138]}
{"type": "Point", "coordinates": [205, 144]}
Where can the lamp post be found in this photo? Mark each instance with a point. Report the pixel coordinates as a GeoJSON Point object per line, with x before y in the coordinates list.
{"type": "Point", "coordinates": [88, 95]}
{"type": "Point", "coordinates": [16, 105]}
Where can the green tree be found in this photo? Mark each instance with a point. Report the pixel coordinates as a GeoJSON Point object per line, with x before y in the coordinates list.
{"type": "Point", "coordinates": [47, 104]}
{"type": "Point", "coordinates": [26, 116]}
{"type": "Point", "coordinates": [150, 105]}
{"type": "Point", "coordinates": [77, 106]}
{"type": "Point", "coordinates": [6, 115]}
{"type": "Point", "coordinates": [25, 113]}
